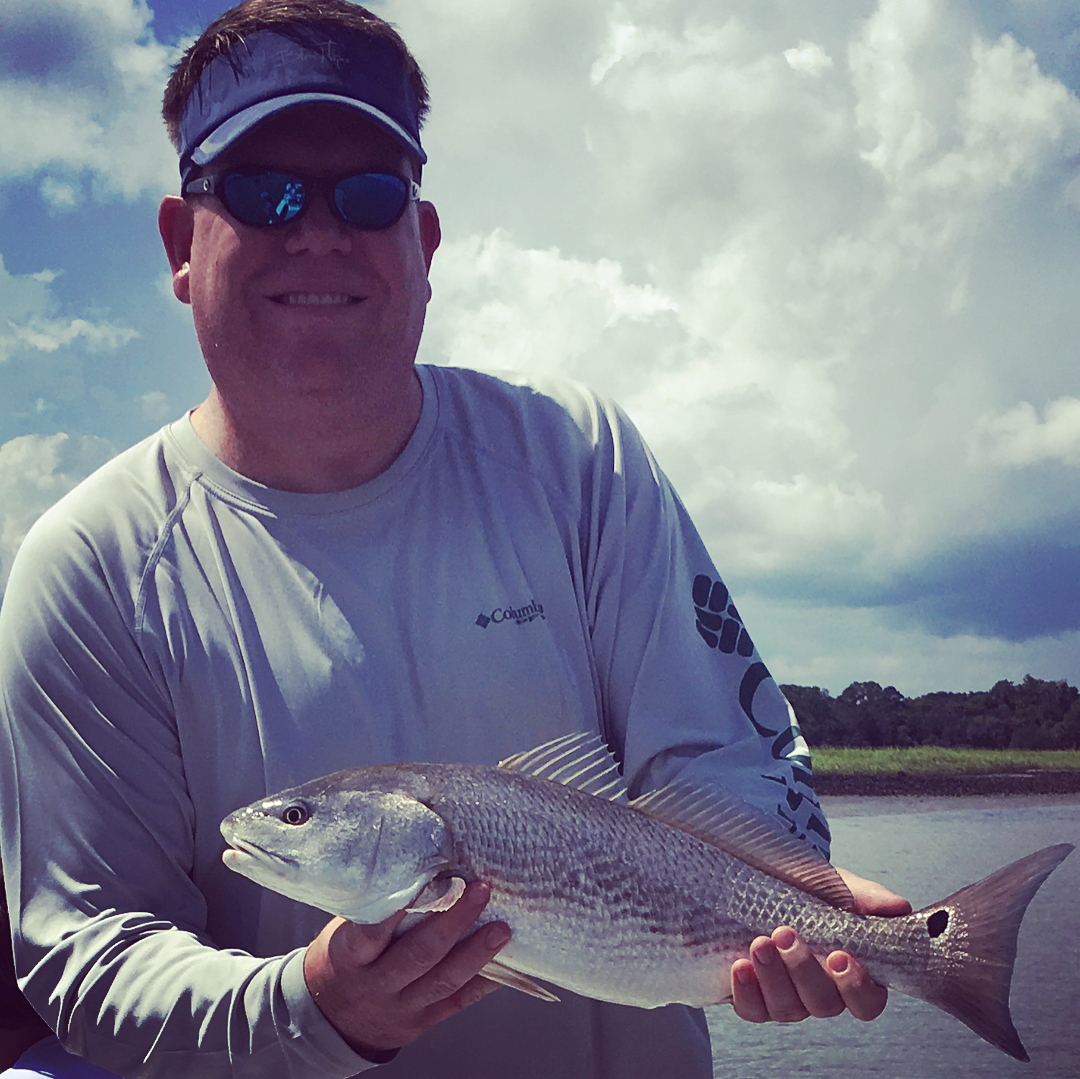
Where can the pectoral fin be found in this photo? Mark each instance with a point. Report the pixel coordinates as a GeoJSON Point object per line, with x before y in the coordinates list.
{"type": "Point", "coordinates": [498, 972]}
{"type": "Point", "coordinates": [441, 894]}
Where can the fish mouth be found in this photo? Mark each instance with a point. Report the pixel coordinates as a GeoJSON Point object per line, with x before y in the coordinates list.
{"type": "Point", "coordinates": [253, 850]}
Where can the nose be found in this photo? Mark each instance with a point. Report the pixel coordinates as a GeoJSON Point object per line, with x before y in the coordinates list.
{"type": "Point", "coordinates": [319, 231]}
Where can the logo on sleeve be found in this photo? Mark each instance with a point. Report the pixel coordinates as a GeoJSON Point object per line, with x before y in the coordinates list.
{"type": "Point", "coordinates": [519, 616]}
{"type": "Point", "coordinates": [718, 621]}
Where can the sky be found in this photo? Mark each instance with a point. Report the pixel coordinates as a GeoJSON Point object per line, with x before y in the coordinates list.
{"type": "Point", "coordinates": [825, 256]}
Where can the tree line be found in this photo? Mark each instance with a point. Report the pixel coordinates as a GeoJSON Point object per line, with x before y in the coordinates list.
{"type": "Point", "coordinates": [1030, 715]}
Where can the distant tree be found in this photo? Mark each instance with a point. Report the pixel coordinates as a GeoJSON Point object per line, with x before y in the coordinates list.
{"type": "Point", "coordinates": [988, 732]}
{"type": "Point", "coordinates": [1068, 731]}
{"type": "Point", "coordinates": [1040, 711]}
{"type": "Point", "coordinates": [1035, 714]}
{"type": "Point", "coordinates": [872, 716]}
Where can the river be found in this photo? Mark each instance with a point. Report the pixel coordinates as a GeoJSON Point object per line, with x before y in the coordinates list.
{"type": "Point", "coordinates": [927, 848]}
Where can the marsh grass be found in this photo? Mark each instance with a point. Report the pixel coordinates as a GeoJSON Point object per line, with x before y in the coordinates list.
{"type": "Point", "coordinates": [937, 760]}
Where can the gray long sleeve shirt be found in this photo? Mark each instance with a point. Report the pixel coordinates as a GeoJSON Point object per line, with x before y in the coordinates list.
{"type": "Point", "coordinates": [177, 641]}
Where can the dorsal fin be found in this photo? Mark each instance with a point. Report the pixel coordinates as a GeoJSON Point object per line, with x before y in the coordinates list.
{"type": "Point", "coordinates": [581, 761]}
{"type": "Point", "coordinates": [726, 821]}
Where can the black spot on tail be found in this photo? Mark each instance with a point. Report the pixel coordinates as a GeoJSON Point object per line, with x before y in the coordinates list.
{"type": "Point", "coordinates": [937, 923]}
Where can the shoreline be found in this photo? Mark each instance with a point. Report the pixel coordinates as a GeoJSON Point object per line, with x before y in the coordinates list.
{"type": "Point", "coordinates": [1064, 781]}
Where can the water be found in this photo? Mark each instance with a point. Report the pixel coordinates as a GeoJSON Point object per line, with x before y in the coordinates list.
{"type": "Point", "coordinates": [925, 849]}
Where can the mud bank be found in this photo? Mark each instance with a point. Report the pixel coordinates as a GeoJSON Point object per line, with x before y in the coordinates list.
{"type": "Point", "coordinates": [1033, 782]}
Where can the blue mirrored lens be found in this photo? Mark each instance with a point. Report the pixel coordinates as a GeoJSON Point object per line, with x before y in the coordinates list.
{"type": "Point", "coordinates": [371, 200]}
{"type": "Point", "coordinates": [263, 198]}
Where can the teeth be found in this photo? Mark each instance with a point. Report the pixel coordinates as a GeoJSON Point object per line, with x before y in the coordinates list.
{"type": "Point", "coordinates": [314, 299]}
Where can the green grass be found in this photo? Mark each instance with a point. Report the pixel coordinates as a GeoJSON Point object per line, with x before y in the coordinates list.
{"type": "Point", "coordinates": [936, 760]}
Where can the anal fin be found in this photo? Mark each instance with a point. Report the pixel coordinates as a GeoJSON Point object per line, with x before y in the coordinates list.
{"type": "Point", "coordinates": [504, 975]}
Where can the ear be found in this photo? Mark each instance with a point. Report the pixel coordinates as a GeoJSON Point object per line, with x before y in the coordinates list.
{"type": "Point", "coordinates": [176, 223]}
{"type": "Point", "coordinates": [430, 230]}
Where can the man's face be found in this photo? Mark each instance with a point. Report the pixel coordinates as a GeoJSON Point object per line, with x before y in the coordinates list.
{"type": "Point", "coordinates": [315, 306]}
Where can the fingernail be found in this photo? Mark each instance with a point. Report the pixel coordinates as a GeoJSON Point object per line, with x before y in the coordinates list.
{"type": "Point", "coordinates": [744, 975]}
{"type": "Point", "coordinates": [784, 938]}
{"type": "Point", "coordinates": [838, 964]}
{"type": "Point", "coordinates": [497, 936]}
{"type": "Point", "coordinates": [766, 954]}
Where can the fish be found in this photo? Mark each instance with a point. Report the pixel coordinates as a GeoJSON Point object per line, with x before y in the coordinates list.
{"type": "Point", "coordinates": [642, 901]}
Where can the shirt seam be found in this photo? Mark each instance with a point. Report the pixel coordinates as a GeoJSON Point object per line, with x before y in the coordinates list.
{"type": "Point", "coordinates": [158, 550]}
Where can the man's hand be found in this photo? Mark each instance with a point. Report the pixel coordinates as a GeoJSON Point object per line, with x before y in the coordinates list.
{"type": "Point", "coordinates": [381, 993]}
{"type": "Point", "coordinates": [784, 982]}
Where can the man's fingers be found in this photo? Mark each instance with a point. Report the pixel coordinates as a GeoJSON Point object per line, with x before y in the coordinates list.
{"type": "Point", "coordinates": [779, 992]}
{"type": "Point", "coordinates": [746, 996]}
{"type": "Point", "coordinates": [360, 945]}
{"type": "Point", "coordinates": [814, 988]}
{"type": "Point", "coordinates": [423, 947]}
{"type": "Point", "coordinates": [451, 980]}
{"type": "Point", "coordinates": [874, 898]}
{"type": "Point", "coordinates": [784, 982]}
{"type": "Point", "coordinates": [418, 979]}
{"type": "Point", "coordinates": [474, 990]}
{"type": "Point", "coordinates": [863, 997]}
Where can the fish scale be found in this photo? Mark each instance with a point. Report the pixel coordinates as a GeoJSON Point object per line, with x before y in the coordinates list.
{"type": "Point", "coordinates": [644, 902]}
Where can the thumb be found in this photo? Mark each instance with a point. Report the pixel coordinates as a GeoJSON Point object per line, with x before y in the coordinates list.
{"type": "Point", "coordinates": [354, 945]}
{"type": "Point", "coordinates": [874, 898]}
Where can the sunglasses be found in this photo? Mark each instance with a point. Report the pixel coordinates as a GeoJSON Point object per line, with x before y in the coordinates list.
{"type": "Point", "coordinates": [266, 198]}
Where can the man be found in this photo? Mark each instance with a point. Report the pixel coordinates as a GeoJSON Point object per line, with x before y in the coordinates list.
{"type": "Point", "coordinates": [342, 558]}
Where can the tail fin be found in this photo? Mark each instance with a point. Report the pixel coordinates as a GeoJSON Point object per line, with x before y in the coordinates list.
{"type": "Point", "coordinates": [984, 920]}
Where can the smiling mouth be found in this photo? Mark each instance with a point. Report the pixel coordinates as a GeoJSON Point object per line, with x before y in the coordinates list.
{"type": "Point", "coordinates": [315, 299]}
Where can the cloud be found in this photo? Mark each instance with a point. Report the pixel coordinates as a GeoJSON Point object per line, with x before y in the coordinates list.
{"type": "Point", "coordinates": [34, 472]}
{"type": "Point", "coordinates": [80, 91]}
{"type": "Point", "coordinates": [813, 644]}
{"type": "Point", "coordinates": [1012, 587]}
{"type": "Point", "coordinates": [59, 194]}
{"type": "Point", "coordinates": [809, 58]}
{"type": "Point", "coordinates": [156, 408]}
{"type": "Point", "coordinates": [47, 335]}
{"type": "Point", "coordinates": [26, 305]}
{"type": "Point", "coordinates": [44, 354]}
{"type": "Point", "coordinates": [810, 204]}
{"type": "Point", "coordinates": [1018, 437]}
{"type": "Point", "coordinates": [501, 306]}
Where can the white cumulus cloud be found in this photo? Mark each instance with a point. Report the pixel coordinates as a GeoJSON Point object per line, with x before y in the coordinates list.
{"type": "Point", "coordinates": [813, 241]}
{"type": "Point", "coordinates": [809, 58]}
{"type": "Point", "coordinates": [27, 323]}
{"type": "Point", "coordinates": [808, 205]}
{"type": "Point", "coordinates": [1019, 437]}
{"type": "Point", "coordinates": [80, 91]}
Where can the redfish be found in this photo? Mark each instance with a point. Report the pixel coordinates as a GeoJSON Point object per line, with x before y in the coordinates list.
{"type": "Point", "coordinates": [643, 902]}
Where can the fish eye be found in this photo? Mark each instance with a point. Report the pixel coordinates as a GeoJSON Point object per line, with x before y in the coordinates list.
{"type": "Point", "coordinates": [296, 814]}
